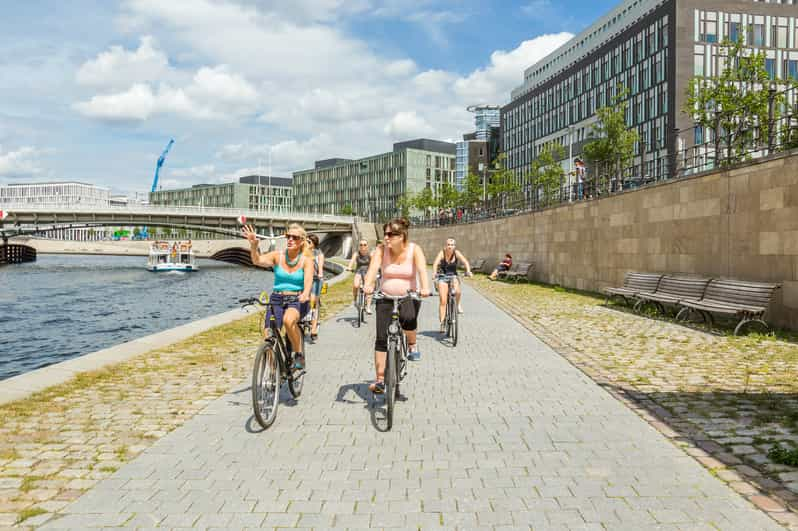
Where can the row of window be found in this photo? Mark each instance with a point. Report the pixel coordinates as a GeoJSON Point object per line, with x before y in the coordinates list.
{"type": "Point", "coordinates": [754, 30]}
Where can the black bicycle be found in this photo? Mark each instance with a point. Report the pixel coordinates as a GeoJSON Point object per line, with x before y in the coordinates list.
{"type": "Point", "coordinates": [396, 360]}
{"type": "Point", "coordinates": [360, 302]}
{"type": "Point", "coordinates": [450, 319]}
{"type": "Point", "coordinates": [273, 366]}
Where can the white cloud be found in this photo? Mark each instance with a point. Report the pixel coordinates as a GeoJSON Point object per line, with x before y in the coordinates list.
{"type": "Point", "coordinates": [213, 93]}
{"type": "Point", "coordinates": [117, 67]}
{"type": "Point", "coordinates": [203, 171]}
{"type": "Point", "coordinates": [407, 124]}
{"type": "Point", "coordinates": [22, 162]}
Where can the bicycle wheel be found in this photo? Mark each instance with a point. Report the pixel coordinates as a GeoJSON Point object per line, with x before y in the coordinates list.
{"type": "Point", "coordinates": [265, 385]}
{"type": "Point", "coordinates": [360, 307]}
{"type": "Point", "coordinates": [390, 381]}
{"type": "Point", "coordinates": [296, 382]}
{"type": "Point", "coordinates": [455, 318]}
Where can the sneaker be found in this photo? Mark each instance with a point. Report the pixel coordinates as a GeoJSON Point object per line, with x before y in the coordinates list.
{"type": "Point", "coordinates": [459, 309]}
{"type": "Point", "coordinates": [414, 355]}
{"type": "Point", "coordinates": [299, 361]}
{"type": "Point", "coordinates": [368, 310]}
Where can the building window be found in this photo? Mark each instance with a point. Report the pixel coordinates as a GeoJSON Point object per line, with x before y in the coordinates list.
{"type": "Point", "coordinates": [770, 66]}
{"type": "Point", "coordinates": [791, 69]}
{"type": "Point", "coordinates": [734, 31]}
{"type": "Point", "coordinates": [756, 34]}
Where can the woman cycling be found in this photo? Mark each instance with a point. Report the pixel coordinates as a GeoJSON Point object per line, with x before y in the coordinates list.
{"type": "Point", "coordinates": [318, 280]}
{"type": "Point", "coordinates": [402, 263]}
{"type": "Point", "coordinates": [293, 275]}
{"type": "Point", "coordinates": [445, 265]}
{"type": "Point", "coordinates": [360, 264]}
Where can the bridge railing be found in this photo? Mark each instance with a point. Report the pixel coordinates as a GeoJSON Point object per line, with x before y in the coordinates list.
{"type": "Point", "coordinates": [180, 211]}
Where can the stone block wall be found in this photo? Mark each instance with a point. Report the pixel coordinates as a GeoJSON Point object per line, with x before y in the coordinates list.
{"type": "Point", "coordinates": [739, 223]}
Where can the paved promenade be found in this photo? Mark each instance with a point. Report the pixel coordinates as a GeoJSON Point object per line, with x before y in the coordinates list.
{"type": "Point", "coordinates": [500, 432]}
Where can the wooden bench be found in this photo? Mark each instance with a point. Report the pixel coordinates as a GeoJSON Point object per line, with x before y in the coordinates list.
{"type": "Point", "coordinates": [672, 291]}
{"type": "Point", "coordinates": [521, 272]}
{"type": "Point", "coordinates": [746, 301]}
{"type": "Point", "coordinates": [633, 285]}
{"type": "Point", "coordinates": [502, 274]}
{"type": "Point", "coordinates": [478, 264]}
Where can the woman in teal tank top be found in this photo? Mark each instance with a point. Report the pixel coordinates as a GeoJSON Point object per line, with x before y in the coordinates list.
{"type": "Point", "coordinates": [293, 275]}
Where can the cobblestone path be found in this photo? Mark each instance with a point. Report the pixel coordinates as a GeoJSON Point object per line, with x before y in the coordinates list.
{"type": "Point", "coordinates": [499, 432]}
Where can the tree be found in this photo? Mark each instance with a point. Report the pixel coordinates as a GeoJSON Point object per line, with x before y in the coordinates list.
{"type": "Point", "coordinates": [472, 191]}
{"type": "Point", "coordinates": [424, 201]}
{"type": "Point", "coordinates": [347, 210]}
{"type": "Point", "coordinates": [136, 233]}
{"type": "Point", "coordinates": [404, 204]}
{"type": "Point", "coordinates": [503, 183]}
{"type": "Point", "coordinates": [613, 148]}
{"type": "Point", "coordinates": [734, 105]}
{"type": "Point", "coordinates": [447, 196]}
{"type": "Point", "coordinates": [547, 174]}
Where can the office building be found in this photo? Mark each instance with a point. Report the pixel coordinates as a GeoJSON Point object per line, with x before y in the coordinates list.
{"type": "Point", "coordinates": [479, 149]}
{"type": "Point", "coordinates": [253, 192]}
{"type": "Point", "coordinates": [371, 187]}
{"type": "Point", "coordinates": [650, 48]}
{"type": "Point", "coordinates": [55, 194]}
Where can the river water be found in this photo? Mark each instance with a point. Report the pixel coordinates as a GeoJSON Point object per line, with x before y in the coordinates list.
{"type": "Point", "coordinates": [63, 306]}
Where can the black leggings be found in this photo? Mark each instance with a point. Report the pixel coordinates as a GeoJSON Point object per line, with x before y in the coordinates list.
{"type": "Point", "coordinates": [408, 319]}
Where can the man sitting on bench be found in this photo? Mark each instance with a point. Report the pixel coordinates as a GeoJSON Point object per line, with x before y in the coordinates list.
{"type": "Point", "coordinates": [505, 265]}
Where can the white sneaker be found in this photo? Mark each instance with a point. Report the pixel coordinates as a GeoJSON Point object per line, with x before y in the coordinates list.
{"type": "Point", "coordinates": [368, 310]}
{"type": "Point", "coordinates": [459, 309]}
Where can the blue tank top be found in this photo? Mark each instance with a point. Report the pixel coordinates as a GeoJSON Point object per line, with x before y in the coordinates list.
{"type": "Point", "coordinates": [285, 281]}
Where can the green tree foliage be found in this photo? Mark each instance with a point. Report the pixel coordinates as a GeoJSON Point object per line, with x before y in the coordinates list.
{"type": "Point", "coordinates": [447, 196]}
{"type": "Point", "coordinates": [612, 150]}
{"type": "Point", "coordinates": [503, 183]}
{"type": "Point", "coordinates": [735, 104]}
{"type": "Point", "coordinates": [404, 204]}
{"type": "Point", "coordinates": [472, 191]}
{"type": "Point", "coordinates": [347, 210]}
{"type": "Point", "coordinates": [547, 174]}
{"type": "Point", "coordinates": [424, 200]}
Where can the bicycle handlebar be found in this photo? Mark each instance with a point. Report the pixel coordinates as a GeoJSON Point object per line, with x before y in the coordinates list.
{"type": "Point", "coordinates": [410, 295]}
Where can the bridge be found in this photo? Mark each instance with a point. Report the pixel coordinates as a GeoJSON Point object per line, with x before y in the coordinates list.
{"type": "Point", "coordinates": [26, 220]}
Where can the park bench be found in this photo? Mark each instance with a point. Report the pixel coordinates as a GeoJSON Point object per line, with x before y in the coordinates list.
{"type": "Point", "coordinates": [746, 301]}
{"type": "Point", "coordinates": [503, 274]}
{"type": "Point", "coordinates": [521, 272]}
{"type": "Point", "coordinates": [633, 285]}
{"type": "Point", "coordinates": [673, 290]}
{"type": "Point", "coordinates": [477, 266]}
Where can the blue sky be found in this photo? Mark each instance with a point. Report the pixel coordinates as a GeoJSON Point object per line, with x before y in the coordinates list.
{"type": "Point", "coordinates": [92, 90]}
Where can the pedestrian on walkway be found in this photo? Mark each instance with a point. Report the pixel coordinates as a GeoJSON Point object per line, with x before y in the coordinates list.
{"type": "Point", "coordinates": [403, 265]}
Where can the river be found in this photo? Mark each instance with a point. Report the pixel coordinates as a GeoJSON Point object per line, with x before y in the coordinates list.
{"type": "Point", "coordinates": [63, 306]}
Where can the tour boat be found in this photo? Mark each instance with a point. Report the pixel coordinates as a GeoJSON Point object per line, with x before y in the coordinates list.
{"type": "Point", "coordinates": [175, 257]}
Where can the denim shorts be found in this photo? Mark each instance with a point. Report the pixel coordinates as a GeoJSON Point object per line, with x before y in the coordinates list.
{"type": "Point", "coordinates": [316, 288]}
{"type": "Point", "coordinates": [276, 303]}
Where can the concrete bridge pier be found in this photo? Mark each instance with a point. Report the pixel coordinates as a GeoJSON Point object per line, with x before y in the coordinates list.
{"type": "Point", "coordinates": [15, 253]}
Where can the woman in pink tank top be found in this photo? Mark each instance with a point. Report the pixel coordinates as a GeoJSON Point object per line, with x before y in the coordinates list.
{"type": "Point", "coordinates": [403, 267]}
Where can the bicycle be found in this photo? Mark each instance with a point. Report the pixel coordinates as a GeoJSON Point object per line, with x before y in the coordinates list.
{"type": "Point", "coordinates": [450, 319]}
{"type": "Point", "coordinates": [360, 302]}
{"type": "Point", "coordinates": [396, 358]}
{"type": "Point", "coordinates": [273, 366]}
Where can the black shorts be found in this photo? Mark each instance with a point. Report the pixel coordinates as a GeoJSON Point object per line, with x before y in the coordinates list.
{"type": "Point", "coordinates": [408, 319]}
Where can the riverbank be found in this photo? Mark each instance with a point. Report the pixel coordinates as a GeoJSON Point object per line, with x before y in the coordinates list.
{"type": "Point", "coordinates": [59, 442]}
{"type": "Point", "coordinates": [728, 401]}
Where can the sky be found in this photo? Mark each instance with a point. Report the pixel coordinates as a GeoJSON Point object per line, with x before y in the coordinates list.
{"type": "Point", "coordinates": [92, 90]}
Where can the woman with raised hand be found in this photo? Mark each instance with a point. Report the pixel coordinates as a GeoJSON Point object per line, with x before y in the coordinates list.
{"type": "Point", "coordinates": [293, 275]}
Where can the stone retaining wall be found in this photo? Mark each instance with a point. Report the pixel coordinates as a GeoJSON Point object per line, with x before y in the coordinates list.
{"type": "Point", "coordinates": [739, 223]}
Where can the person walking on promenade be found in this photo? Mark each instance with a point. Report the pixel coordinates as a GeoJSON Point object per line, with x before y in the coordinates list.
{"type": "Point", "coordinates": [403, 264]}
{"type": "Point", "coordinates": [318, 280]}
{"type": "Point", "coordinates": [360, 265]}
{"type": "Point", "coordinates": [505, 265]}
{"type": "Point", "coordinates": [293, 275]}
{"type": "Point", "coordinates": [445, 265]}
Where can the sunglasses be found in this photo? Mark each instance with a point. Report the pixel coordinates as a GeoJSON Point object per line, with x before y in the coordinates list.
{"type": "Point", "coordinates": [392, 234]}
{"type": "Point", "coordinates": [293, 237]}
{"type": "Point", "coordinates": [364, 245]}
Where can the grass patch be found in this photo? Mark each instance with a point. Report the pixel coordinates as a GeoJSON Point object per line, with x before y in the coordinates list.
{"type": "Point", "coordinates": [108, 469]}
{"type": "Point", "coordinates": [783, 456]}
{"type": "Point", "coordinates": [29, 483]}
{"type": "Point", "coordinates": [30, 512]}
{"type": "Point", "coordinates": [9, 453]}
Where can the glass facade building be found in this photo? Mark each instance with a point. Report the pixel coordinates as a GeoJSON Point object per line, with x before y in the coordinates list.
{"type": "Point", "coordinates": [647, 50]}
{"type": "Point", "coordinates": [372, 186]}
{"type": "Point", "coordinates": [254, 192]}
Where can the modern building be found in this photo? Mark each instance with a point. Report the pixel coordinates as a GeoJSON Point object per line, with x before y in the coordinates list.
{"type": "Point", "coordinates": [479, 149]}
{"type": "Point", "coordinates": [651, 49]}
{"type": "Point", "coordinates": [55, 194]}
{"type": "Point", "coordinates": [253, 192]}
{"type": "Point", "coordinates": [372, 186]}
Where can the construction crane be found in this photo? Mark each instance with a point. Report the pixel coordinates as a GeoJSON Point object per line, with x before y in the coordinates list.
{"type": "Point", "coordinates": [160, 162]}
{"type": "Point", "coordinates": [144, 234]}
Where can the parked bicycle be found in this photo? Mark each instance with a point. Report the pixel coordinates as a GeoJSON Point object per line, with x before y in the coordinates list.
{"type": "Point", "coordinates": [273, 367]}
{"type": "Point", "coordinates": [450, 320]}
{"type": "Point", "coordinates": [396, 359]}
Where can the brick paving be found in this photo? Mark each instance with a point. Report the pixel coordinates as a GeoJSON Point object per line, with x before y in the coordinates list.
{"type": "Point", "coordinates": [500, 432]}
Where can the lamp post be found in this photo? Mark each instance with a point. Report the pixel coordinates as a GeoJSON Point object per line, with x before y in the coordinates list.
{"type": "Point", "coordinates": [483, 169]}
{"type": "Point", "coordinates": [570, 157]}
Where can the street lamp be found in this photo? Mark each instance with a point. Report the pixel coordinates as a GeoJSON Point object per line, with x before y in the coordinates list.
{"type": "Point", "coordinates": [570, 158]}
{"type": "Point", "coordinates": [483, 169]}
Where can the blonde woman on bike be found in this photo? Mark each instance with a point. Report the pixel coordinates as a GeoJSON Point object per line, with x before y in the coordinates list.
{"type": "Point", "coordinates": [360, 264]}
{"type": "Point", "coordinates": [293, 275]}
{"type": "Point", "coordinates": [445, 265]}
{"type": "Point", "coordinates": [403, 265]}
